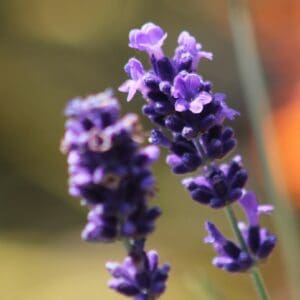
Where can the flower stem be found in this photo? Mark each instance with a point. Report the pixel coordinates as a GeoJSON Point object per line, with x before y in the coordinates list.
{"type": "Point", "coordinates": [257, 279]}
{"type": "Point", "coordinates": [127, 244]}
{"type": "Point", "coordinates": [234, 225]}
{"type": "Point", "coordinates": [259, 284]}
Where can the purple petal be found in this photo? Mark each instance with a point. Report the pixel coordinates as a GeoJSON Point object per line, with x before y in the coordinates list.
{"type": "Point", "coordinates": [181, 105]}
{"type": "Point", "coordinates": [173, 160]}
{"type": "Point", "coordinates": [196, 106]}
{"type": "Point", "coordinates": [221, 261]}
{"type": "Point", "coordinates": [178, 86]}
{"type": "Point", "coordinates": [153, 260]}
{"type": "Point", "coordinates": [207, 55]}
{"type": "Point", "coordinates": [129, 86]}
{"type": "Point", "coordinates": [250, 206]}
{"type": "Point", "coordinates": [149, 38]}
{"type": "Point", "coordinates": [187, 181]}
{"type": "Point", "coordinates": [152, 152]}
{"type": "Point", "coordinates": [265, 209]}
{"type": "Point", "coordinates": [214, 235]}
{"type": "Point", "coordinates": [134, 69]}
{"type": "Point", "coordinates": [193, 82]}
{"type": "Point", "coordinates": [201, 180]}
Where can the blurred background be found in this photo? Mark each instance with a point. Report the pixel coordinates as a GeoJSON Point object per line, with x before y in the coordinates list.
{"type": "Point", "coordinates": [54, 50]}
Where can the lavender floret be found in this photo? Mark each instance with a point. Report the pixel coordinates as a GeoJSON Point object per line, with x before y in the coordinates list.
{"type": "Point", "coordinates": [149, 38]}
{"type": "Point", "coordinates": [259, 242]}
{"type": "Point", "coordinates": [141, 278]}
{"type": "Point", "coordinates": [218, 186]}
{"type": "Point", "coordinates": [230, 257]}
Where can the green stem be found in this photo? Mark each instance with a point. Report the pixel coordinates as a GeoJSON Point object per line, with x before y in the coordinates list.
{"type": "Point", "coordinates": [258, 105]}
{"type": "Point", "coordinates": [234, 225]}
{"type": "Point", "coordinates": [127, 244]}
{"type": "Point", "coordinates": [259, 284]}
{"type": "Point", "coordinates": [255, 273]}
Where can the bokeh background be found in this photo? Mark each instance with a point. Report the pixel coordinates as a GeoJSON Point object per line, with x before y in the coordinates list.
{"type": "Point", "coordinates": [53, 50]}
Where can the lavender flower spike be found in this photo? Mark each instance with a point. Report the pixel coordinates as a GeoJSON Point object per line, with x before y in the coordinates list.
{"type": "Point", "coordinates": [178, 100]}
{"type": "Point", "coordinates": [149, 38]}
{"type": "Point", "coordinates": [110, 172]}
{"type": "Point", "coordinates": [230, 257]}
{"type": "Point", "coordinates": [140, 278]}
{"type": "Point", "coordinates": [108, 169]}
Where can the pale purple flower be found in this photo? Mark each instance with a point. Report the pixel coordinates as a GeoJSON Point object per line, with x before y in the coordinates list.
{"type": "Point", "coordinates": [252, 209]}
{"type": "Point", "coordinates": [149, 38]}
{"type": "Point", "coordinates": [187, 91]}
{"type": "Point", "coordinates": [135, 71]}
{"type": "Point", "coordinates": [188, 48]}
{"type": "Point", "coordinates": [258, 239]}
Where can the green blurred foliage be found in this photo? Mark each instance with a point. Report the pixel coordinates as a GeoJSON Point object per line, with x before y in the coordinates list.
{"type": "Point", "coordinates": [51, 51]}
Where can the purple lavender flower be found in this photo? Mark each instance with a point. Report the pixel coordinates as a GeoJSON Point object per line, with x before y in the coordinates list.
{"type": "Point", "coordinates": [218, 186]}
{"type": "Point", "coordinates": [178, 99]}
{"type": "Point", "coordinates": [259, 242]}
{"type": "Point", "coordinates": [189, 50]}
{"type": "Point", "coordinates": [140, 278]}
{"type": "Point", "coordinates": [149, 38]}
{"type": "Point", "coordinates": [230, 257]}
{"type": "Point", "coordinates": [191, 117]}
{"type": "Point", "coordinates": [187, 91]}
{"type": "Point", "coordinates": [108, 169]}
{"type": "Point", "coordinates": [183, 155]}
{"type": "Point", "coordinates": [135, 71]}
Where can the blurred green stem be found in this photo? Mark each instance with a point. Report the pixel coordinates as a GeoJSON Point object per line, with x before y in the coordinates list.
{"type": "Point", "coordinates": [259, 283]}
{"type": "Point", "coordinates": [258, 105]}
{"type": "Point", "coordinates": [234, 225]}
{"type": "Point", "coordinates": [127, 244]}
{"type": "Point", "coordinates": [255, 273]}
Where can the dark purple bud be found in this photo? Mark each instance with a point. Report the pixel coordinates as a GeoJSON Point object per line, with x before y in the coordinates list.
{"type": "Point", "coordinates": [165, 87]}
{"type": "Point", "coordinates": [163, 107]}
{"type": "Point", "coordinates": [157, 137]}
{"type": "Point", "coordinates": [174, 123]}
{"type": "Point", "coordinates": [151, 81]}
{"type": "Point", "coordinates": [139, 278]}
{"type": "Point", "coordinates": [266, 247]}
{"type": "Point", "coordinates": [157, 96]}
{"type": "Point", "coordinates": [149, 110]}
{"type": "Point", "coordinates": [253, 238]}
{"type": "Point", "coordinates": [165, 69]}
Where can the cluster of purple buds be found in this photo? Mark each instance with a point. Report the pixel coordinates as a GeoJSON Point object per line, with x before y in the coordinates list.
{"type": "Point", "coordinates": [110, 172]}
{"type": "Point", "coordinates": [259, 243]}
{"type": "Point", "coordinates": [190, 119]}
{"type": "Point", "coordinates": [178, 99]}
{"type": "Point", "coordinates": [140, 278]}
{"type": "Point", "coordinates": [218, 186]}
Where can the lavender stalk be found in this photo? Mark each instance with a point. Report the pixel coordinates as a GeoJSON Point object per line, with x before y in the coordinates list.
{"type": "Point", "coordinates": [110, 172]}
{"type": "Point", "coordinates": [190, 119]}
